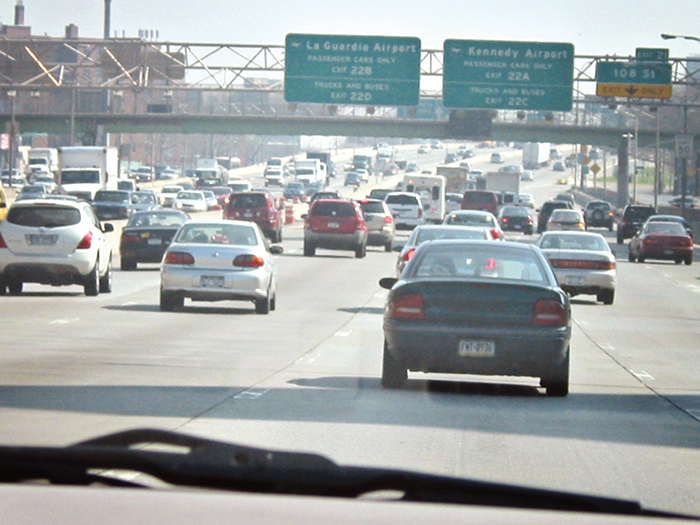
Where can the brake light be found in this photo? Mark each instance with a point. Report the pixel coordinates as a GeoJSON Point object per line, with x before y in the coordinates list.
{"type": "Point", "coordinates": [249, 260]}
{"type": "Point", "coordinates": [3, 244]}
{"type": "Point", "coordinates": [490, 264]}
{"type": "Point", "coordinates": [407, 306]}
{"type": "Point", "coordinates": [496, 234]}
{"type": "Point", "coordinates": [409, 254]}
{"type": "Point", "coordinates": [549, 312]}
{"type": "Point", "coordinates": [420, 213]}
{"type": "Point", "coordinates": [583, 265]}
{"type": "Point", "coordinates": [130, 238]}
{"type": "Point", "coordinates": [504, 219]}
{"type": "Point", "coordinates": [86, 242]}
{"type": "Point", "coordinates": [388, 220]}
{"type": "Point", "coordinates": [178, 258]}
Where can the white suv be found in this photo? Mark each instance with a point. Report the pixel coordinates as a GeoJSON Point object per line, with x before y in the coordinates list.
{"type": "Point", "coordinates": [55, 241]}
{"type": "Point", "coordinates": [407, 209]}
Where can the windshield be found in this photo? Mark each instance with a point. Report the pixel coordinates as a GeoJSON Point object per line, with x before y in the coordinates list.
{"type": "Point", "coordinates": [287, 350]}
{"type": "Point", "coordinates": [112, 196]}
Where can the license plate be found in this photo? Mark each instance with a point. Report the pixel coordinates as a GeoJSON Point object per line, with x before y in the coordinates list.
{"type": "Point", "coordinates": [212, 282]}
{"type": "Point", "coordinates": [42, 240]}
{"type": "Point", "coordinates": [334, 225]}
{"type": "Point", "coordinates": [575, 281]}
{"type": "Point", "coordinates": [668, 252]}
{"type": "Point", "coordinates": [517, 226]}
{"type": "Point", "coordinates": [154, 241]}
{"type": "Point", "coordinates": [478, 348]}
{"type": "Point", "coordinates": [248, 214]}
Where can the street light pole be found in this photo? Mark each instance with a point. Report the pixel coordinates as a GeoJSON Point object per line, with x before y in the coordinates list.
{"type": "Point", "coordinates": [13, 124]}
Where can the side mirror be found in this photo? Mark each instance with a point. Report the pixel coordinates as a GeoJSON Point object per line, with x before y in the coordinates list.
{"type": "Point", "coordinates": [108, 227]}
{"type": "Point", "coordinates": [398, 248]}
{"type": "Point", "coordinates": [3, 205]}
{"type": "Point", "coordinates": [304, 216]}
{"type": "Point", "coordinates": [388, 282]}
{"type": "Point", "coordinates": [276, 249]}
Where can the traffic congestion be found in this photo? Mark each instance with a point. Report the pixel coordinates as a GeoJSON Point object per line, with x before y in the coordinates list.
{"type": "Point", "coordinates": [379, 283]}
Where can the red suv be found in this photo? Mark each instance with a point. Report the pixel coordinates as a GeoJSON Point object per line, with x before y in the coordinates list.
{"type": "Point", "coordinates": [480, 200]}
{"type": "Point", "coordinates": [258, 207]}
{"type": "Point", "coordinates": [335, 224]}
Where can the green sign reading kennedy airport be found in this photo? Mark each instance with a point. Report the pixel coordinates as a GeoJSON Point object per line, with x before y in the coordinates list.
{"type": "Point", "coordinates": [486, 74]}
{"type": "Point", "coordinates": [367, 70]}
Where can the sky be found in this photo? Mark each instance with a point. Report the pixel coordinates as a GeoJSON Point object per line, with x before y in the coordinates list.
{"type": "Point", "coordinates": [594, 27]}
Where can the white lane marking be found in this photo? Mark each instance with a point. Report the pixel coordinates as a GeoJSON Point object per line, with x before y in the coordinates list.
{"type": "Point", "coordinates": [64, 321]}
{"type": "Point", "coordinates": [642, 375]}
{"type": "Point", "coordinates": [693, 288]}
{"type": "Point", "coordinates": [695, 412]}
{"type": "Point", "coordinates": [607, 347]}
{"type": "Point", "coordinates": [343, 334]}
{"type": "Point", "coordinates": [129, 303]}
{"type": "Point", "coordinates": [251, 393]}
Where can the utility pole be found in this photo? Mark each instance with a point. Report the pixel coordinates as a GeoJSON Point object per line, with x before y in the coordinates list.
{"type": "Point", "coordinates": [108, 18]}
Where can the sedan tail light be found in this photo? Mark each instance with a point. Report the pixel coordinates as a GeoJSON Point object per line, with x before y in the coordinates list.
{"type": "Point", "coordinates": [3, 244]}
{"type": "Point", "coordinates": [496, 234]}
{"type": "Point", "coordinates": [549, 312]}
{"type": "Point", "coordinates": [409, 254]}
{"type": "Point", "coordinates": [130, 238]}
{"type": "Point", "coordinates": [388, 219]}
{"type": "Point", "coordinates": [584, 265]}
{"type": "Point", "coordinates": [407, 306]}
{"type": "Point", "coordinates": [86, 242]}
{"type": "Point", "coordinates": [178, 258]}
{"type": "Point", "coordinates": [249, 260]}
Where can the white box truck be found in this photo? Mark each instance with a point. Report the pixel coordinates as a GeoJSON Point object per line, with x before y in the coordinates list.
{"type": "Point", "coordinates": [83, 170]}
{"type": "Point", "coordinates": [309, 171]}
{"type": "Point", "coordinates": [506, 183]}
{"type": "Point", "coordinates": [535, 155]}
{"type": "Point", "coordinates": [43, 160]}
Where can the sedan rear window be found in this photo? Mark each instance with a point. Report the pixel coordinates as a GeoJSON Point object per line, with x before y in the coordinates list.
{"type": "Point", "coordinates": [372, 207]}
{"type": "Point", "coordinates": [43, 216]}
{"type": "Point", "coordinates": [402, 199]}
{"type": "Point", "coordinates": [217, 234]}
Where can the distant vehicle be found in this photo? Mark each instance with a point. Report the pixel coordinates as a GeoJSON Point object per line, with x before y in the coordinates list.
{"type": "Point", "coordinates": [335, 225]}
{"type": "Point", "coordinates": [147, 235]}
{"type": "Point", "coordinates": [144, 201]}
{"type": "Point", "coordinates": [274, 176]}
{"type": "Point", "coordinates": [353, 178]}
{"type": "Point", "coordinates": [188, 201]}
{"type": "Point", "coordinates": [431, 189]}
{"type": "Point", "coordinates": [526, 199]}
{"type": "Point", "coordinates": [325, 194]}
{"type": "Point", "coordinates": [258, 207]}
{"type": "Point", "coordinates": [218, 261]}
{"type": "Point", "coordinates": [476, 218]}
{"type": "Point", "coordinates": [294, 189]}
{"type": "Point", "coordinates": [568, 197]}
{"type": "Point", "coordinates": [222, 194]}
{"type": "Point", "coordinates": [468, 154]}
{"type": "Point", "coordinates": [423, 149]}
{"type": "Point", "coordinates": [535, 155]}
{"type": "Point", "coordinates": [559, 166]}
{"type": "Point", "coordinates": [687, 202]}
{"type": "Point", "coordinates": [434, 232]}
{"type": "Point", "coordinates": [566, 220]}
{"type": "Point", "coordinates": [547, 209]}
{"type": "Point", "coordinates": [379, 193]}
{"type": "Point", "coordinates": [241, 185]}
{"type": "Point", "coordinates": [412, 166]}
{"type": "Point", "coordinates": [480, 200]}
{"type": "Point", "coordinates": [497, 158]}
{"type": "Point", "coordinates": [127, 185]}
{"type": "Point", "coordinates": [380, 223]}
{"type": "Point", "coordinates": [32, 191]}
{"type": "Point", "coordinates": [527, 175]}
{"type": "Point", "coordinates": [453, 201]}
{"type": "Point", "coordinates": [515, 218]}
{"type": "Point", "coordinates": [662, 240]}
{"type": "Point", "coordinates": [451, 157]}
{"type": "Point", "coordinates": [144, 174]}
{"type": "Point", "coordinates": [554, 154]}
{"type": "Point", "coordinates": [168, 194]}
{"type": "Point", "coordinates": [512, 168]}
{"type": "Point", "coordinates": [582, 262]}
{"type": "Point", "coordinates": [672, 218]}
{"type": "Point", "coordinates": [474, 299]}
{"type": "Point", "coordinates": [633, 217]}
{"type": "Point", "coordinates": [599, 213]}
{"type": "Point", "coordinates": [83, 170]}
{"type": "Point", "coordinates": [406, 208]}
{"type": "Point", "coordinates": [212, 201]}
{"type": "Point", "coordinates": [45, 159]}
{"type": "Point", "coordinates": [112, 204]}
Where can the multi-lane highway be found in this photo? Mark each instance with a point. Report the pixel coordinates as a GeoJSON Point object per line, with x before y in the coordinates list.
{"type": "Point", "coordinates": [306, 377]}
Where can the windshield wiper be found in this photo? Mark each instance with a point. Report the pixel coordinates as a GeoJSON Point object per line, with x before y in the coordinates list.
{"type": "Point", "coordinates": [205, 463]}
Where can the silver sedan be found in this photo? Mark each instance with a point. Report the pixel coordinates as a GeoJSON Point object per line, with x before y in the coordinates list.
{"type": "Point", "coordinates": [219, 260]}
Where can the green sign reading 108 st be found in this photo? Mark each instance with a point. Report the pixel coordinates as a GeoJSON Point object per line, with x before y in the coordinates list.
{"type": "Point", "coordinates": [367, 70]}
{"type": "Point", "coordinates": [493, 74]}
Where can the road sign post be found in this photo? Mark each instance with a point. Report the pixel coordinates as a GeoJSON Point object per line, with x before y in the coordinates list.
{"type": "Point", "coordinates": [484, 74]}
{"type": "Point", "coordinates": [684, 146]}
{"type": "Point", "coordinates": [365, 70]}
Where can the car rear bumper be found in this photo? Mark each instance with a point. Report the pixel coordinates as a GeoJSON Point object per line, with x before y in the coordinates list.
{"type": "Point", "coordinates": [335, 241]}
{"type": "Point", "coordinates": [188, 282]}
{"type": "Point", "coordinates": [667, 253]}
{"type": "Point", "coordinates": [55, 274]}
{"type": "Point", "coordinates": [576, 282]}
{"type": "Point", "coordinates": [519, 351]}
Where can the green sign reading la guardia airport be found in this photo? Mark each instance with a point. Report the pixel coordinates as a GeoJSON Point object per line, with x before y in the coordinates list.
{"type": "Point", "coordinates": [367, 70]}
{"type": "Point", "coordinates": [495, 74]}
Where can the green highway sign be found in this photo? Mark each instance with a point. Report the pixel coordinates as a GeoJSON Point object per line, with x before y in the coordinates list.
{"type": "Point", "coordinates": [651, 54]}
{"type": "Point", "coordinates": [493, 74]}
{"type": "Point", "coordinates": [339, 69]}
{"type": "Point", "coordinates": [644, 73]}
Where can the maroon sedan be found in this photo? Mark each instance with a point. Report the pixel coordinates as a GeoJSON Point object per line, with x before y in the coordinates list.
{"type": "Point", "coordinates": [662, 240]}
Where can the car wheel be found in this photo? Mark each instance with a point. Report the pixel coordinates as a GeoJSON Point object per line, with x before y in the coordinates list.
{"type": "Point", "coordinates": [630, 256]}
{"type": "Point", "coordinates": [557, 382]}
{"type": "Point", "coordinates": [273, 303]}
{"type": "Point", "coordinates": [689, 260]}
{"type": "Point", "coordinates": [262, 306]}
{"type": "Point", "coordinates": [610, 227]}
{"type": "Point", "coordinates": [640, 259]}
{"type": "Point", "coordinates": [14, 286]}
{"type": "Point", "coordinates": [3, 286]}
{"type": "Point", "coordinates": [393, 374]}
{"type": "Point", "coordinates": [127, 264]}
{"type": "Point", "coordinates": [606, 296]}
{"type": "Point", "coordinates": [678, 260]}
{"type": "Point", "coordinates": [279, 236]}
{"type": "Point", "coordinates": [387, 247]}
{"type": "Point", "coordinates": [92, 281]}
{"type": "Point", "coordinates": [309, 250]}
{"type": "Point", "coordinates": [169, 302]}
{"type": "Point", "coordinates": [106, 280]}
{"type": "Point", "coordinates": [620, 240]}
{"type": "Point", "coordinates": [361, 251]}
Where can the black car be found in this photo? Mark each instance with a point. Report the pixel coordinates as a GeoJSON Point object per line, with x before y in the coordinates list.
{"type": "Point", "coordinates": [516, 218]}
{"type": "Point", "coordinates": [547, 209]}
{"type": "Point", "coordinates": [521, 327]}
{"type": "Point", "coordinates": [294, 189]}
{"type": "Point", "coordinates": [599, 214]}
{"type": "Point", "coordinates": [147, 235]}
{"type": "Point", "coordinates": [633, 216]}
{"type": "Point", "coordinates": [112, 204]}
{"type": "Point", "coordinates": [353, 179]}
